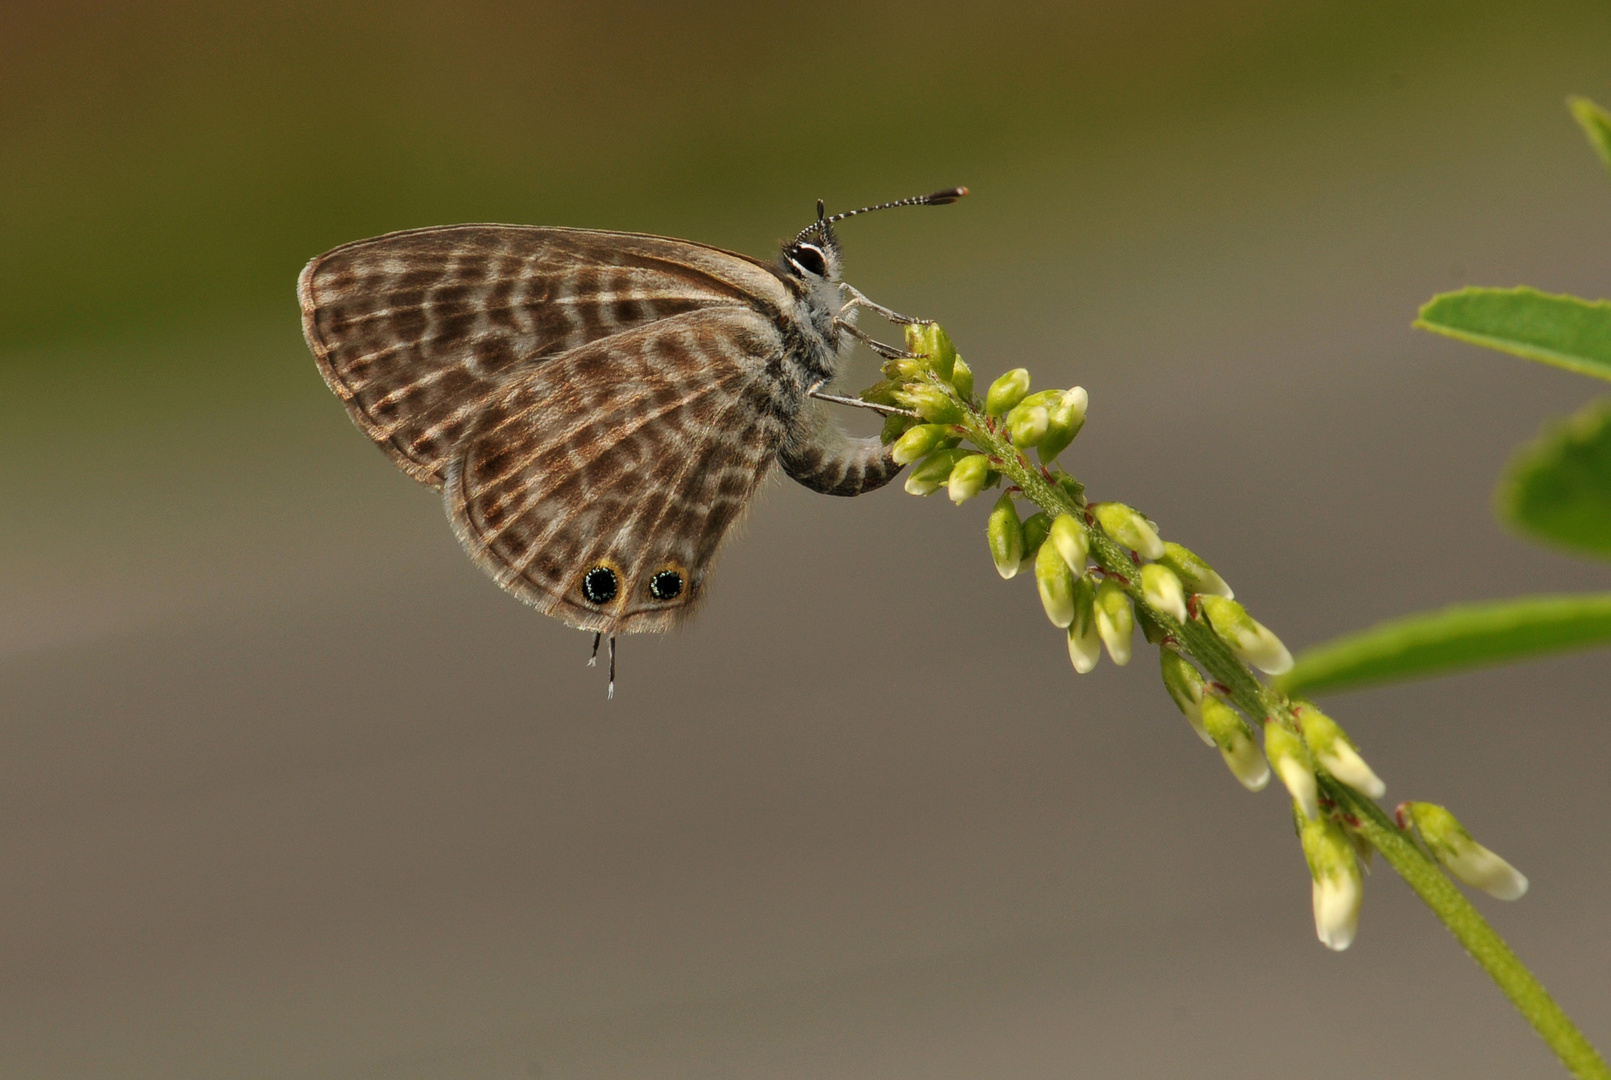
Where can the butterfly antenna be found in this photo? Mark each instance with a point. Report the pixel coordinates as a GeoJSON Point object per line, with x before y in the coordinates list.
{"type": "Point", "coordinates": [939, 198]}
{"type": "Point", "coordinates": [611, 696]}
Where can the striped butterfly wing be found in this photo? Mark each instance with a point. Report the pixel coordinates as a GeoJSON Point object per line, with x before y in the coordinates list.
{"type": "Point", "coordinates": [418, 331]}
{"type": "Point", "coordinates": [598, 485]}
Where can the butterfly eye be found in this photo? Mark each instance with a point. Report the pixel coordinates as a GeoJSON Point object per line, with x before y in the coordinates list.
{"type": "Point", "coordinates": [809, 257]}
{"type": "Point", "coordinates": [666, 585]}
{"type": "Point", "coordinates": [599, 585]}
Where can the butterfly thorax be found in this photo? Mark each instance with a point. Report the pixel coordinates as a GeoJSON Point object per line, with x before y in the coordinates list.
{"type": "Point", "coordinates": [810, 269]}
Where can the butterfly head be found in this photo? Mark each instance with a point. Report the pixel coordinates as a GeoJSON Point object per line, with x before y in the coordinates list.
{"type": "Point", "coordinates": [813, 256]}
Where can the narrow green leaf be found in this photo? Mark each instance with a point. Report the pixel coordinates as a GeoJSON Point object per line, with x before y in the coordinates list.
{"type": "Point", "coordinates": [1596, 124]}
{"type": "Point", "coordinates": [1462, 636]}
{"type": "Point", "coordinates": [1559, 487]}
{"type": "Point", "coordinates": [1561, 330]}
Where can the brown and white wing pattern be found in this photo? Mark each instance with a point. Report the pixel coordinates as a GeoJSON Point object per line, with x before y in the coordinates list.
{"type": "Point", "coordinates": [418, 331]}
{"type": "Point", "coordinates": [598, 485]}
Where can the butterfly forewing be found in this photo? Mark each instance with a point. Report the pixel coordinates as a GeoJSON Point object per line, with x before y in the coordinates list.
{"type": "Point", "coordinates": [626, 459]}
{"type": "Point", "coordinates": [418, 331]}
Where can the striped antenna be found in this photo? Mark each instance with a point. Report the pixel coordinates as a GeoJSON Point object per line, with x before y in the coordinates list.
{"type": "Point", "coordinates": [939, 198]}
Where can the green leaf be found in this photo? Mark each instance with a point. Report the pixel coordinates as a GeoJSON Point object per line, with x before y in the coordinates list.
{"type": "Point", "coordinates": [1462, 636]}
{"type": "Point", "coordinates": [1561, 330]}
{"type": "Point", "coordinates": [1596, 124]}
{"type": "Point", "coordinates": [1559, 487]}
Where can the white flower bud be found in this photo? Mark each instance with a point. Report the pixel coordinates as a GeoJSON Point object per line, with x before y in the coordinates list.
{"type": "Point", "coordinates": [1248, 638]}
{"type": "Point", "coordinates": [1339, 887]}
{"type": "Point", "coordinates": [1290, 760]}
{"type": "Point", "coordinates": [1055, 582]}
{"type": "Point", "coordinates": [1115, 620]}
{"type": "Point", "coordinates": [1194, 573]}
{"type": "Point", "coordinates": [1073, 543]}
{"type": "Point", "coordinates": [1235, 741]}
{"type": "Point", "coordinates": [1130, 528]}
{"type": "Point", "coordinates": [1161, 588]}
{"type": "Point", "coordinates": [968, 478]}
{"type": "Point", "coordinates": [1185, 685]}
{"type": "Point", "coordinates": [1462, 856]}
{"type": "Point", "coordinates": [1084, 643]}
{"type": "Point", "coordinates": [1005, 535]}
{"type": "Point", "coordinates": [1335, 753]}
{"type": "Point", "coordinates": [1065, 417]}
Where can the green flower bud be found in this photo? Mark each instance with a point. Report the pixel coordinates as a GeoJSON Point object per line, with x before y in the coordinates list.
{"type": "Point", "coordinates": [1247, 637]}
{"type": "Point", "coordinates": [1066, 416]}
{"type": "Point", "coordinates": [1005, 536]}
{"type": "Point", "coordinates": [894, 426]}
{"type": "Point", "coordinates": [933, 471]}
{"type": "Point", "coordinates": [1196, 575]}
{"type": "Point", "coordinates": [1056, 583]}
{"type": "Point", "coordinates": [1185, 685]}
{"type": "Point", "coordinates": [1161, 588]}
{"type": "Point", "coordinates": [934, 345]}
{"type": "Point", "coordinates": [1335, 752]}
{"type": "Point", "coordinates": [922, 440]}
{"type": "Point", "coordinates": [1036, 528]}
{"type": "Point", "coordinates": [1235, 741]}
{"type": "Point", "coordinates": [919, 442]}
{"type": "Point", "coordinates": [930, 402]}
{"type": "Point", "coordinates": [1044, 398]}
{"type": "Point", "coordinates": [1339, 888]}
{"type": "Point", "coordinates": [1130, 528]}
{"type": "Point", "coordinates": [1007, 391]}
{"type": "Point", "coordinates": [1115, 621]}
{"type": "Point", "coordinates": [968, 478]}
{"type": "Point", "coordinates": [1073, 543]}
{"type": "Point", "coordinates": [1462, 856]}
{"type": "Point", "coordinates": [901, 371]}
{"type": "Point", "coordinates": [1290, 760]}
{"type": "Point", "coordinates": [1026, 424]}
{"type": "Point", "coordinates": [962, 380]}
{"type": "Point", "coordinates": [1084, 643]}
{"type": "Point", "coordinates": [881, 393]}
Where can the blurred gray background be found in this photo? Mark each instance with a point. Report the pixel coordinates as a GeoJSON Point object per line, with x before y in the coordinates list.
{"type": "Point", "coordinates": [289, 789]}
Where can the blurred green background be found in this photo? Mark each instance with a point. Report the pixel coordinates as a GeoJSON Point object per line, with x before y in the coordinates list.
{"type": "Point", "coordinates": [288, 789]}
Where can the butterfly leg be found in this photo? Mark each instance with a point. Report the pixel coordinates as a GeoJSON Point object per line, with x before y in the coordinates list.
{"type": "Point", "coordinates": [858, 403]}
{"type": "Point", "coordinates": [888, 352]}
{"type": "Point", "coordinates": [858, 299]}
{"type": "Point", "coordinates": [823, 458]}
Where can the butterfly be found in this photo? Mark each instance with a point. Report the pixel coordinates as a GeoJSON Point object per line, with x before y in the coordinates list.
{"type": "Point", "coordinates": [597, 408]}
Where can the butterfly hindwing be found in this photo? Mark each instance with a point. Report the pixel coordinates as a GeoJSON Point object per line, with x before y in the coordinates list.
{"type": "Point", "coordinates": [417, 332]}
{"type": "Point", "coordinates": [626, 459]}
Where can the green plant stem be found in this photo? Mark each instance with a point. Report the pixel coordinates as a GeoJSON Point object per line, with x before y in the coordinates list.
{"type": "Point", "coordinates": [1480, 939]}
{"type": "Point", "coordinates": [1259, 702]}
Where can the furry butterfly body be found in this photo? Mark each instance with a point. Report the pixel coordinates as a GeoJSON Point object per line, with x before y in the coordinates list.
{"type": "Point", "coordinates": [597, 408]}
